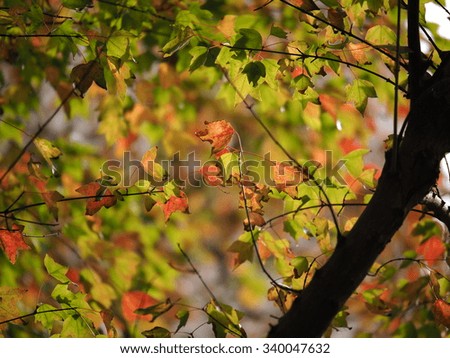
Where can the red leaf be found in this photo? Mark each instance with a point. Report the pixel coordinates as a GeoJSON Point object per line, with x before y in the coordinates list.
{"type": "Point", "coordinates": [133, 300]}
{"type": "Point", "coordinates": [12, 241]}
{"type": "Point", "coordinates": [432, 249]}
{"type": "Point", "coordinates": [101, 197]}
{"type": "Point", "coordinates": [211, 175]}
{"type": "Point", "coordinates": [51, 198]}
{"type": "Point", "coordinates": [175, 203]}
{"type": "Point", "coordinates": [441, 310]}
{"type": "Point", "coordinates": [218, 133]}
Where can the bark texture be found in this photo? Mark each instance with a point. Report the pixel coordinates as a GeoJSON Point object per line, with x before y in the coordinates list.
{"type": "Point", "coordinates": [400, 188]}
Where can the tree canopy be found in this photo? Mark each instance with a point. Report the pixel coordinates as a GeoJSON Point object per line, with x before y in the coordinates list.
{"type": "Point", "coordinates": [223, 168]}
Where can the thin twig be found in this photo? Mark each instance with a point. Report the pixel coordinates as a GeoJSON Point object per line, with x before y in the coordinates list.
{"type": "Point", "coordinates": [319, 57]}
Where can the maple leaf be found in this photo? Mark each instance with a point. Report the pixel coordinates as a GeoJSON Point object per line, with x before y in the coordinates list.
{"type": "Point", "coordinates": [441, 310]}
{"type": "Point", "coordinates": [211, 174]}
{"type": "Point", "coordinates": [11, 241]}
{"type": "Point", "coordinates": [255, 194]}
{"type": "Point", "coordinates": [255, 220]}
{"type": "Point", "coordinates": [433, 249]}
{"type": "Point", "coordinates": [85, 74]}
{"type": "Point", "coordinates": [101, 197]}
{"type": "Point", "coordinates": [218, 133]}
{"type": "Point", "coordinates": [175, 203]}
{"type": "Point", "coordinates": [155, 170]}
{"type": "Point", "coordinates": [9, 299]}
{"type": "Point", "coordinates": [286, 178]}
{"type": "Point", "coordinates": [133, 300]}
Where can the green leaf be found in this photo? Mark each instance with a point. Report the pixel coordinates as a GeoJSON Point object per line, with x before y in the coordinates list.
{"type": "Point", "coordinates": [47, 315]}
{"type": "Point", "coordinates": [77, 4]}
{"type": "Point", "coordinates": [278, 32]}
{"type": "Point", "coordinates": [243, 247]}
{"type": "Point", "coordinates": [183, 316]}
{"type": "Point", "coordinates": [248, 38]}
{"type": "Point", "coordinates": [157, 332]}
{"type": "Point", "coordinates": [302, 83]}
{"type": "Point", "coordinates": [354, 161]}
{"type": "Point", "coordinates": [225, 320]}
{"type": "Point", "coordinates": [180, 40]}
{"type": "Point", "coordinates": [56, 270]}
{"type": "Point", "coordinates": [229, 165]}
{"type": "Point", "coordinates": [155, 310]}
{"type": "Point", "coordinates": [254, 71]}
{"type": "Point", "coordinates": [199, 56]}
{"type": "Point", "coordinates": [76, 326]}
{"type": "Point", "coordinates": [293, 228]}
{"type": "Point", "coordinates": [381, 35]}
{"type": "Point", "coordinates": [359, 92]}
{"type": "Point", "coordinates": [300, 264]}
{"type": "Point", "coordinates": [119, 44]}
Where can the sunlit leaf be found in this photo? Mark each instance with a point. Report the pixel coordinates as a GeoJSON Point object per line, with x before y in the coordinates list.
{"type": "Point", "coordinates": [174, 204]}
{"type": "Point", "coordinates": [132, 301]}
{"type": "Point", "coordinates": [180, 40]}
{"type": "Point", "coordinates": [225, 320]}
{"type": "Point", "coordinates": [155, 170]}
{"type": "Point", "coordinates": [359, 93]}
{"type": "Point", "coordinates": [218, 133]}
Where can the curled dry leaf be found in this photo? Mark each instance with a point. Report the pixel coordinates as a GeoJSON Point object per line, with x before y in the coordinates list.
{"type": "Point", "coordinates": [218, 133]}
{"type": "Point", "coordinates": [255, 220]}
{"type": "Point", "coordinates": [255, 195]}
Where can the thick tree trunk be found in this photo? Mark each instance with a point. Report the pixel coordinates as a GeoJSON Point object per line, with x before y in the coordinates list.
{"type": "Point", "coordinates": [400, 188]}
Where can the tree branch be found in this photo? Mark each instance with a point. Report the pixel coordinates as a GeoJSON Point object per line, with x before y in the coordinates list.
{"type": "Point", "coordinates": [427, 139]}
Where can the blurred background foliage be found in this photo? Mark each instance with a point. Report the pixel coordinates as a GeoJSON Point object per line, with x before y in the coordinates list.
{"type": "Point", "coordinates": [90, 82]}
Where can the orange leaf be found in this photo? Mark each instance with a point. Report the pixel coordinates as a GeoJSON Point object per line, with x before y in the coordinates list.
{"type": "Point", "coordinates": [432, 249]}
{"type": "Point", "coordinates": [211, 175]}
{"type": "Point", "coordinates": [11, 241]}
{"type": "Point", "coordinates": [101, 197]}
{"type": "Point", "coordinates": [218, 133]}
{"type": "Point", "coordinates": [441, 310]}
{"type": "Point", "coordinates": [287, 177]}
{"type": "Point", "coordinates": [175, 203]}
{"type": "Point", "coordinates": [133, 300]}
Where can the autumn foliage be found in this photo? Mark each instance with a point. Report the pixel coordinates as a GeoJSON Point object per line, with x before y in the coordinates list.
{"type": "Point", "coordinates": [181, 169]}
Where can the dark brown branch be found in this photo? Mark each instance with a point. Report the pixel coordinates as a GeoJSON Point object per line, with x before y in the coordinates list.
{"type": "Point", "coordinates": [415, 65]}
{"type": "Point", "coordinates": [426, 140]}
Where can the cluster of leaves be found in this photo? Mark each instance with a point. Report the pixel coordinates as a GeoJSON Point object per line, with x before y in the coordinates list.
{"type": "Point", "coordinates": [292, 80]}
